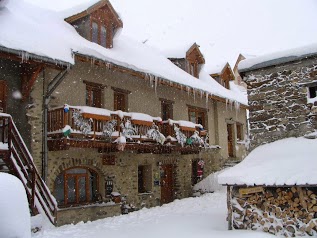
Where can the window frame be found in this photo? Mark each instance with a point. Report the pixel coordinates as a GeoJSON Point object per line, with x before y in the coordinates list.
{"type": "Point", "coordinates": [99, 24]}
{"type": "Point", "coordinates": [167, 105]}
{"type": "Point", "coordinates": [94, 94]}
{"type": "Point", "coordinates": [198, 110]}
{"type": "Point", "coordinates": [239, 131]}
{"type": "Point", "coordinates": [91, 196]}
{"type": "Point", "coordinates": [118, 92]}
{"type": "Point", "coordinates": [144, 174]}
{"type": "Point", "coordinates": [312, 91]}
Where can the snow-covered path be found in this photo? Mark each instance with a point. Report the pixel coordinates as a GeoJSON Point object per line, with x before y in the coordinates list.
{"type": "Point", "coordinates": [192, 217]}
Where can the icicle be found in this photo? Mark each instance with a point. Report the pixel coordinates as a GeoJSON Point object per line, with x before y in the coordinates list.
{"type": "Point", "coordinates": [155, 86]}
{"type": "Point", "coordinates": [108, 65]}
{"type": "Point", "coordinates": [231, 104]}
{"type": "Point", "coordinates": [226, 104]}
{"type": "Point", "coordinates": [206, 99]}
{"type": "Point", "coordinates": [201, 94]}
{"type": "Point", "coordinates": [151, 80]}
{"type": "Point", "coordinates": [188, 90]}
{"type": "Point", "coordinates": [194, 95]}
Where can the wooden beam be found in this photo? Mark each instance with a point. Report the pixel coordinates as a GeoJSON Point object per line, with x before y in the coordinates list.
{"type": "Point", "coordinates": [17, 58]}
{"type": "Point", "coordinates": [26, 90]}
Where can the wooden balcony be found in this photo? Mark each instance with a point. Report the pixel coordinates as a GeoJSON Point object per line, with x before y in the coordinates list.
{"type": "Point", "coordinates": [97, 119]}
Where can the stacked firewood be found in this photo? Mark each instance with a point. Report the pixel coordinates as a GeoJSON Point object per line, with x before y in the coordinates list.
{"type": "Point", "coordinates": [288, 211]}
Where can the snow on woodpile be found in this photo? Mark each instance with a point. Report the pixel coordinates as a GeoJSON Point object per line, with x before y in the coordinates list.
{"type": "Point", "coordinates": [19, 21]}
{"type": "Point", "coordinates": [290, 161]}
{"type": "Point", "coordinates": [278, 57]}
{"type": "Point", "coordinates": [15, 216]}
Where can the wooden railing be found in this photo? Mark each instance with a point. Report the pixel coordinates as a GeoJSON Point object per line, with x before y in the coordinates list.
{"type": "Point", "coordinates": [20, 162]}
{"type": "Point", "coordinates": [58, 119]}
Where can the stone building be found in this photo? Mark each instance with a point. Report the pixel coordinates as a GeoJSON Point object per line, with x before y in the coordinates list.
{"type": "Point", "coordinates": [281, 93]}
{"type": "Point", "coordinates": [274, 188]}
{"type": "Point", "coordinates": [112, 125]}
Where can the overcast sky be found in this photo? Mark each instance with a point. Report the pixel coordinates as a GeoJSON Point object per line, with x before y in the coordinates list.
{"type": "Point", "coordinates": [223, 28]}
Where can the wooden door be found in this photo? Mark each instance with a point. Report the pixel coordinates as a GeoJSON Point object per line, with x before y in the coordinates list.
{"type": "Point", "coordinates": [167, 183]}
{"type": "Point", "coordinates": [230, 139]}
{"type": "Point", "coordinates": [3, 96]}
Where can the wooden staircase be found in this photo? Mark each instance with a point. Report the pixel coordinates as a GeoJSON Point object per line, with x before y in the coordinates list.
{"type": "Point", "coordinates": [16, 159]}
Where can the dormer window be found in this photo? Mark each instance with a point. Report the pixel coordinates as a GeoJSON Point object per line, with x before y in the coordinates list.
{"type": "Point", "coordinates": [98, 23]}
{"type": "Point", "coordinates": [98, 33]}
{"type": "Point", "coordinates": [194, 58]}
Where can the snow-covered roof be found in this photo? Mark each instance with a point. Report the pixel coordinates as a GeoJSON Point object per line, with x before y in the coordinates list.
{"type": "Point", "coordinates": [290, 161]}
{"type": "Point", "coordinates": [278, 58]}
{"type": "Point", "coordinates": [57, 40]}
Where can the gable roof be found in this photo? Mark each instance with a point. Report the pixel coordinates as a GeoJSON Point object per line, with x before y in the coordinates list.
{"type": "Point", "coordinates": [289, 161]}
{"type": "Point", "coordinates": [60, 42]}
{"type": "Point", "coordinates": [194, 49]}
{"type": "Point", "coordinates": [93, 8]}
{"type": "Point", "coordinates": [278, 58]}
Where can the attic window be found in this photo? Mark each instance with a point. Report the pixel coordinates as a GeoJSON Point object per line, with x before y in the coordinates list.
{"type": "Point", "coordinates": [193, 69]}
{"type": "Point", "coordinates": [98, 33]}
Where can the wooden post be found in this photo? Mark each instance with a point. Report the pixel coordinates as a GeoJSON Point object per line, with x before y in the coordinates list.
{"type": "Point", "coordinates": [229, 206]}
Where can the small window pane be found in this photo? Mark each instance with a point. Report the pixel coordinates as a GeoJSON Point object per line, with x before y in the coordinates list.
{"type": "Point", "coordinates": [192, 117]}
{"type": "Point", "coordinates": [94, 33]}
{"type": "Point", "coordinates": [103, 36]}
{"type": "Point", "coordinates": [71, 191]}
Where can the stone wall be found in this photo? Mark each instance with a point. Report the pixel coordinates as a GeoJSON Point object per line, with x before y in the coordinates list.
{"type": "Point", "coordinates": [124, 173]}
{"type": "Point", "coordinates": [278, 101]}
{"type": "Point", "coordinates": [88, 213]}
{"type": "Point", "coordinates": [287, 211]}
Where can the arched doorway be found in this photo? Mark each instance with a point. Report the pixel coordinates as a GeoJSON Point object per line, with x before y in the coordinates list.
{"type": "Point", "coordinates": [75, 186]}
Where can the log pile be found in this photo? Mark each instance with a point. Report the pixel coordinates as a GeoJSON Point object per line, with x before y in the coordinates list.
{"type": "Point", "coordinates": [290, 211]}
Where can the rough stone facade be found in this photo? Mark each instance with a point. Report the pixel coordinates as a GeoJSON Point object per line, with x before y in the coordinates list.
{"type": "Point", "coordinates": [124, 173]}
{"type": "Point", "coordinates": [278, 101]}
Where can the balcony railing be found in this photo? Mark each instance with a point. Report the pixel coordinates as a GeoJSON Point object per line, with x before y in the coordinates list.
{"type": "Point", "coordinates": [93, 124]}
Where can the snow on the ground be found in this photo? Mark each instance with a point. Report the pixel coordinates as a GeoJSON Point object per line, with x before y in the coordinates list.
{"type": "Point", "coordinates": [290, 161]}
{"type": "Point", "coordinates": [14, 208]}
{"type": "Point", "coordinates": [209, 184]}
{"type": "Point", "coordinates": [187, 218]}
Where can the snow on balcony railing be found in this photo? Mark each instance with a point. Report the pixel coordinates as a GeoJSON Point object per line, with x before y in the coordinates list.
{"type": "Point", "coordinates": [96, 123]}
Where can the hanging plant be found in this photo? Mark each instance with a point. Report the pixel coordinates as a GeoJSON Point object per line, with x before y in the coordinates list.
{"type": "Point", "coordinates": [196, 139]}
{"type": "Point", "coordinates": [108, 128]}
{"type": "Point", "coordinates": [155, 134]}
{"type": "Point", "coordinates": [82, 123]}
{"type": "Point", "coordinates": [128, 129]}
{"type": "Point", "coordinates": [181, 138]}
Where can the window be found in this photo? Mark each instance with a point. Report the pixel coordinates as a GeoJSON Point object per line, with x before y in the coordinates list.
{"type": "Point", "coordinates": [93, 94]}
{"type": "Point", "coordinates": [193, 69]}
{"type": "Point", "coordinates": [197, 170]}
{"type": "Point", "coordinates": [144, 178]}
{"type": "Point", "coordinates": [76, 186]}
{"type": "Point", "coordinates": [98, 33]}
{"type": "Point", "coordinates": [167, 109]}
{"type": "Point", "coordinates": [94, 32]}
{"type": "Point", "coordinates": [239, 128]}
{"type": "Point", "coordinates": [120, 99]}
{"type": "Point", "coordinates": [312, 92]}
{"type": "Point", "coordinates": [198, 116]}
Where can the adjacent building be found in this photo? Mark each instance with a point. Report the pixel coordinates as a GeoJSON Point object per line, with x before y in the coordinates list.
{"type": "Point", "coordinates": [274, 188]}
